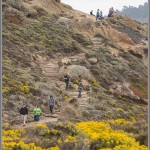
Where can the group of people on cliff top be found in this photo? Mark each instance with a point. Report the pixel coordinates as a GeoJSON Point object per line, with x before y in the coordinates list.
{"type": "Point", "coordinates": [99, 14]}
{"type": "Point", "coordinates": [51, 102]}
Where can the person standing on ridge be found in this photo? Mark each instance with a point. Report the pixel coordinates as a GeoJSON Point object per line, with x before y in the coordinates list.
{"type": "Point", "coordinates": [111, 11]}
{"type": "Point", "coordinates": [91, 13]}
{"type": "Point", "coordinates": [67, 78]}
{"type": "Point", "coordinates": [97, 14]}
{"type": "Point", "coordinates": [80, 88]}
{"type": "Point", "coordinates": [101, 15]}
{"type": "Point", "coordinates": [51, 104]}
{"type": "Point", "coordinates": [37, 113]}
{"type": "Point", "coordinates": [24, 113]}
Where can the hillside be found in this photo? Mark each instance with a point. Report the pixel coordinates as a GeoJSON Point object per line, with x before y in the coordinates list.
{"type": "Point", "coordinates": [44, 40]}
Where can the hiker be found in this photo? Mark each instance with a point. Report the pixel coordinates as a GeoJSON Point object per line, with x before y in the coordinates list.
{"type": "Point", "coordinates": [111, 11]}
{"type": "Point", "coordinates": [37, 113]}
{"type": "Point", "coordinates": [51, 104]}
{"type": "Point", "coordinates": [91, 13]}
{"type": "Point", "coordinates": [67, 78]}
{"type": "Point", "coordinates": [101, 15]}
{"type": "Point", "coordinates": [80, 88]}
{"type": "Point", "coordinates": [80, 78]}
{"type": "Point", "coordinates": [97, 14]}
{"type": "Point", "coordinates": [24, 113]}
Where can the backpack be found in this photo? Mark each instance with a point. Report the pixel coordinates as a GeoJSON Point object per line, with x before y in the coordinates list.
{"type": "Point", "coordinates": [51, 101]}
{"type": "Point", "coordinates": [80, 85]}
{"type": "Point", "coordinates": [37, 111]}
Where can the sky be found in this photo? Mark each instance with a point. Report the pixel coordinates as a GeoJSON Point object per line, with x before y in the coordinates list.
{"type": "Point", "coordinates": [104, 5]}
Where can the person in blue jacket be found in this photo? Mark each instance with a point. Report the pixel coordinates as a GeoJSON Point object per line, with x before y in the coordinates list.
{"type": "Point", "coordinates": [51, 104]}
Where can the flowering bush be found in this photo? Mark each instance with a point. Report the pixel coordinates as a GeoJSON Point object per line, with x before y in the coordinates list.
{"type": "Point", "coordinates": [12, 85]}
{"type": "Point", "coordinates": [43, 126]}
{"type": "Point", "coordinates": [11, 140]}
{"type": "Point", "coordinates": [121, 122]}
{"type": "Point", "coordinates": [107, 137]}
{"type": "Point", "coordinates": [99, 134]}
{"type": "Point", "coordinates": [70, 138]}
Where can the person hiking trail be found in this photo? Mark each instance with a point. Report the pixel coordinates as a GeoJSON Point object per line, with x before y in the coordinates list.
{"type": "Point", "coordinates": [37, 113]}
{"type": "Point", "coordinates": [67, 78]}
{"type": "Point", "coordinates": [101, 15]}
{"type": "Point", "coordinates": [51, 104]}
{"type": "Point", "coordinates": [80, 78]}
{"type": "Point", "coordinates": [91, 13]}
{"type": "Point", "coordinates": [24, 113]}
{"type": "Point", "coordinates": [111, 11]}
{"type": "Point", "coordinates": [80, 88]}
{"type": "Point", "coordinates": [97, 14]}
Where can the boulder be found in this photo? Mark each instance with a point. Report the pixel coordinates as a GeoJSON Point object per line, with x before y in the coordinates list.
{"type": "Point", "coordinates": [123, 89]}
{"type": "Point", "coordinates": [92, 61]}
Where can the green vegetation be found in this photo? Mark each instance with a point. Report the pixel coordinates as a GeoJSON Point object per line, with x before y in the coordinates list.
{"type": "Point", "coordinates": [29, 38]}
{"type": "Point", "coordinates": [112, 134]}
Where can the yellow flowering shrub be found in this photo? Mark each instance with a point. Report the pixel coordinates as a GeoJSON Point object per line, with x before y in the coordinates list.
{"type": "Point", "coordinates": [54, 132]}
{"type": "Point", "coordinates": [121, 122]}
{"type": "Point", "coordinates": [11, 140]}
{"type": "Point", "coordinates": [20, 145]}
{"type": "Point", "coordinates": [76, 82]}
{"type": "Point", "coordinates": [65, 97]}
{"type": "Point", "coordinates": [5, 125]}
{"type": "Point", "coordinates": [12, 85]}
{"type": "Point", "coordinates": [53, 148]}
{"type": "Point", "coordinates": [101, 134]}
{"type": "Point", "coordinates": [119, 110]}
{"type": "Point", "coordinates": [24, 89]}
{"type": "Point", "coordinates": [130, 147]}
{"type": "Point", "coordinates": [59, 141]}
{"type": "Point", "coordinates": [6, 89]}
{"type": "Point", "coordinates": [43, 126]}
{"type": "Point", "coordinates": [70, 138]}
{"type": "Point", "coordinates": [11, 135]}
{"type": "Point", "coordinates": [108, 138]}
{"type": "Point", "coordinates": [132, 119]}
{"type": "Point", "coordinates": [94, 82]}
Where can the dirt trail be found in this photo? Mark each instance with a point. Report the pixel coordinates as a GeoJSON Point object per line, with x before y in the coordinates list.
{"type": "Point", "coordinates": [42, 120]}
{"type": "Point", "coordinates": [51, 71]}
{"type": "Point", "coordinates": [97, 42]}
